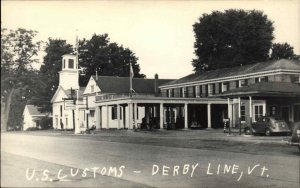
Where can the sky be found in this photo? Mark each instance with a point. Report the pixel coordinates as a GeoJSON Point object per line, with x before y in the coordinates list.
{"type": "Point", "coordinates": [160, 33]}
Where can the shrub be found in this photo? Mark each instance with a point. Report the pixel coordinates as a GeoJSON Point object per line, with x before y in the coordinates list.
{"type": "Point", "coordinates": [32, 129]}
{"type": "Point", "coordinates": [46, 123]}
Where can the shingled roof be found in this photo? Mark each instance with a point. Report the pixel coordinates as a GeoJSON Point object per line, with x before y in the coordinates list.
{"type": "Point", "coordinates": [240, 70]}
{"type": "Point", "coordinates": [111, 84]}
{"type": "Point", "coordinates": [281, 89]}
{"type": "Point", "coordinates": [33, 110]}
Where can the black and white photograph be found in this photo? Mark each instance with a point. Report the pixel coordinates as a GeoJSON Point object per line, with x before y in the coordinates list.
{"type": "Point", "coordinates": [150, 93]}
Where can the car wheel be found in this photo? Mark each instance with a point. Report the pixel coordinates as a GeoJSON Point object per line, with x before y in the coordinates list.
{"type": "Point", "coordinates": [247, 131]}
{"type": "Point", "coordinates": [268, 132]}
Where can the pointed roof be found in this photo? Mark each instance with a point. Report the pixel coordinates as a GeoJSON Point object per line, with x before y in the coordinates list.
{"type": "Point", "coordinates": [33, 110]}
{"type": "Point", "coordinates": [68, 93]}
{"type": "Point", "coordinates": [113, 84]}
{"type": "Point", "coordinates": [282, 64]}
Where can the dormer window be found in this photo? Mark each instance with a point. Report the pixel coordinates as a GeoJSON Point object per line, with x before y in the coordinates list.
{"type": "Point", "coordinates": [64, 63]}
{"type": "Point", "coordinates": [71, 63]}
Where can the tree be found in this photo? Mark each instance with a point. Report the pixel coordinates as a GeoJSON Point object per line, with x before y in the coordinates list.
{"type": "Point", "coordinates": [55, 49]}
{"type": "Point", "coordinates": [18, 52]}
{"type": "Point", "coordinates": [109, 59]}
{"type": "Point", "coordinates": [231, 38]}
{"type": "Point", "coordinates": [282, 51]}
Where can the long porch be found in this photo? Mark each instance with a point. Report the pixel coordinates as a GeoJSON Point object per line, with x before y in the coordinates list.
{"type": "Point", "coordinates": [147, 112]}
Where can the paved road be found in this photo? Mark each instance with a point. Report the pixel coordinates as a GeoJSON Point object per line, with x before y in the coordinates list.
{"type": "Point", "coordinates": [102, 163]}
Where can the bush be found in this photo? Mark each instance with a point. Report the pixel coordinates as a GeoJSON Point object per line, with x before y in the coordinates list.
{"type": "Point", "coordinates": [32, 129]}
{"type": "Point", "coordinates": [46, 123]}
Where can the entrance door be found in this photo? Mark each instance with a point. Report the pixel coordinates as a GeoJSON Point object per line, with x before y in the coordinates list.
{"type": "Point", "coordinates": [285, 113]}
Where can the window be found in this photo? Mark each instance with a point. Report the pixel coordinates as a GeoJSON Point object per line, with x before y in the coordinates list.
{"type": "Point", "coordinates": [295, 79]}
{"type": "Point", "coordinates": [258, 111]}
{"type": "Point", "coordinates": [225, 86]}
{"type": "Point", "coordinates": [172, 92]}
{"type": "Point", "coordinates": [243, 113]}
{"type": "Point", "coordinates": [168, 93]}
{"type": "Point", "coordinates": [92, 88]}
{"type": "Point", "coordinates": [92, 113]}
{"type": "Point", "coordinates": [181, 92]}
{"type": "Point", "coordinates": [64, 63]}
{"type": "Point", "coordinates": [243, 83]}
{"type": "Point", "coordinates": [264, 79]}
{"type": "Point", "coordinates": [61, 110]}
{"type": "Point", "coordinates": [211, 89]}
{"type": "Point", "coordinates": [198, 88]}
{"type": "Point", "coordinates": [184, 92]}
{"type": "Point", "coordinates": [71, 63]}
{"type": "Point", "coordinates": [237, 84]}
{"type": "Point", "coordinates": [273, 111]}
{"type": "Point", "coordinates": [114, 113]}
{"type": "Point", "coordinates": [256, 80]}
{"type": "Point", "coordinates": [56, 121]}
{"type": "Point", "coordinates": [201, 91]}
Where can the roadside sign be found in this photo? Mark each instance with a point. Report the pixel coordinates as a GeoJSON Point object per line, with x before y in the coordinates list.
{"type": "Point", "coordinates": [69, 104]}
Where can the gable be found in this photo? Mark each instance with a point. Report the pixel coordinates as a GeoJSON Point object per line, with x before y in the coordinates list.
{"type": "Point", "coordinates": [59, 95]}
{"type": "Point", "coordinates": [26, 112]}
{"type": "Point", "coordinates": [91, 85]}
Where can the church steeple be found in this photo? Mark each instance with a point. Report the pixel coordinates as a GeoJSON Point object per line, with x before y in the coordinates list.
{"type": "Point", "coordinates": [69, 75]}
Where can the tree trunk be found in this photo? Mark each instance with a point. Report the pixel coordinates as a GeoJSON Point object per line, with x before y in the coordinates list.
{"type": "Point", "coordinates": [5, 115]}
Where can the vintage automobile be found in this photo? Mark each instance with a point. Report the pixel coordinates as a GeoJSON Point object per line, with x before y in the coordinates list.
{"type": "Point", "coordinates": [295, 139]}
{"type": "Point", "coordinates": [268, 126]}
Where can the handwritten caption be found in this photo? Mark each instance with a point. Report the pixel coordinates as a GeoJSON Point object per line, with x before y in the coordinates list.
{"type": "Point", "coordinates": [211, 169]}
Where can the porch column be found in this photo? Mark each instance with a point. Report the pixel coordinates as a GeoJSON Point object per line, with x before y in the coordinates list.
{"type": "Point", "coordinates": [185, 115]}
{"type": "Point", "coordinates": [107, 116]}
{"type": "Point", "coordinates": [239, 110]}
{"type": "Point", "coordinates": [250, 113]}
{"type": "Point", "coordinates": [77, 125]}
{"type": "Point", "coordinates": [229, 115]}
{"type": "Point", "coordinates": [130, 116]}
{"type": "Point", "coordinates": [161, 115]}
{"type": "Point", "coordinates": [96, 116]}
{"type": "Point", "coordinates": [118, 115]}
{"type": "Point", "coordinates": [208, 115]}
{"type": "Point", "coordinates": [135, 115]}
{"type": "Point", "coordinates": [250, 108]}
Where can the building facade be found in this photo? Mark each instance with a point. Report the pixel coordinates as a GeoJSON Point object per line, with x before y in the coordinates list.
{"type": "Point", "coordinates": [239, 95]}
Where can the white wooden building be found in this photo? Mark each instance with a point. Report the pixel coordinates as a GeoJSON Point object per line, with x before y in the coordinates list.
{"type": "Point", "coordinates": [32, 117]}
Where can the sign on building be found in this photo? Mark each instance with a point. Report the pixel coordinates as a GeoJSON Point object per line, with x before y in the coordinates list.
{"type": "Point", "coordinates": [69, 104]}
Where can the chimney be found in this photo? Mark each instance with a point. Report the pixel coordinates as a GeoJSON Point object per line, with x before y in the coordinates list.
{"type": "Point", "coordinates": [156, 85]}
{"type": "Point", "coordinates": [96, 74]}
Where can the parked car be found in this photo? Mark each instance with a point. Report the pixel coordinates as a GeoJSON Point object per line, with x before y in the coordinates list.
{"type": "Point", "coordinates": [268, 126]}
{"type": "Point", "coordinates": [295, 139]}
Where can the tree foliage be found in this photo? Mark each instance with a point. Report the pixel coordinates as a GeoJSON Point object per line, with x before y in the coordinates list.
{"type": "Point", "coordinates": [109, 59]}
{"type": "Point", "coordinates": [18, 52]}
{"type": "Point", "coordinates": [52, 64]}
{"type": "Point", "coordinates": [282, 51]}
{"type": "Point", "coordinates": [231, 38]}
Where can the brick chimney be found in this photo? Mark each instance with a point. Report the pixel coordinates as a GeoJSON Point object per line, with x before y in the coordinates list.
{"type": "Point", "coordinates": [156, 84]}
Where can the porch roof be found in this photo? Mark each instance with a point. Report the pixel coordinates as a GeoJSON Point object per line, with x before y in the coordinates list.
{"type": "Point", "coordinates": [264, 89]}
